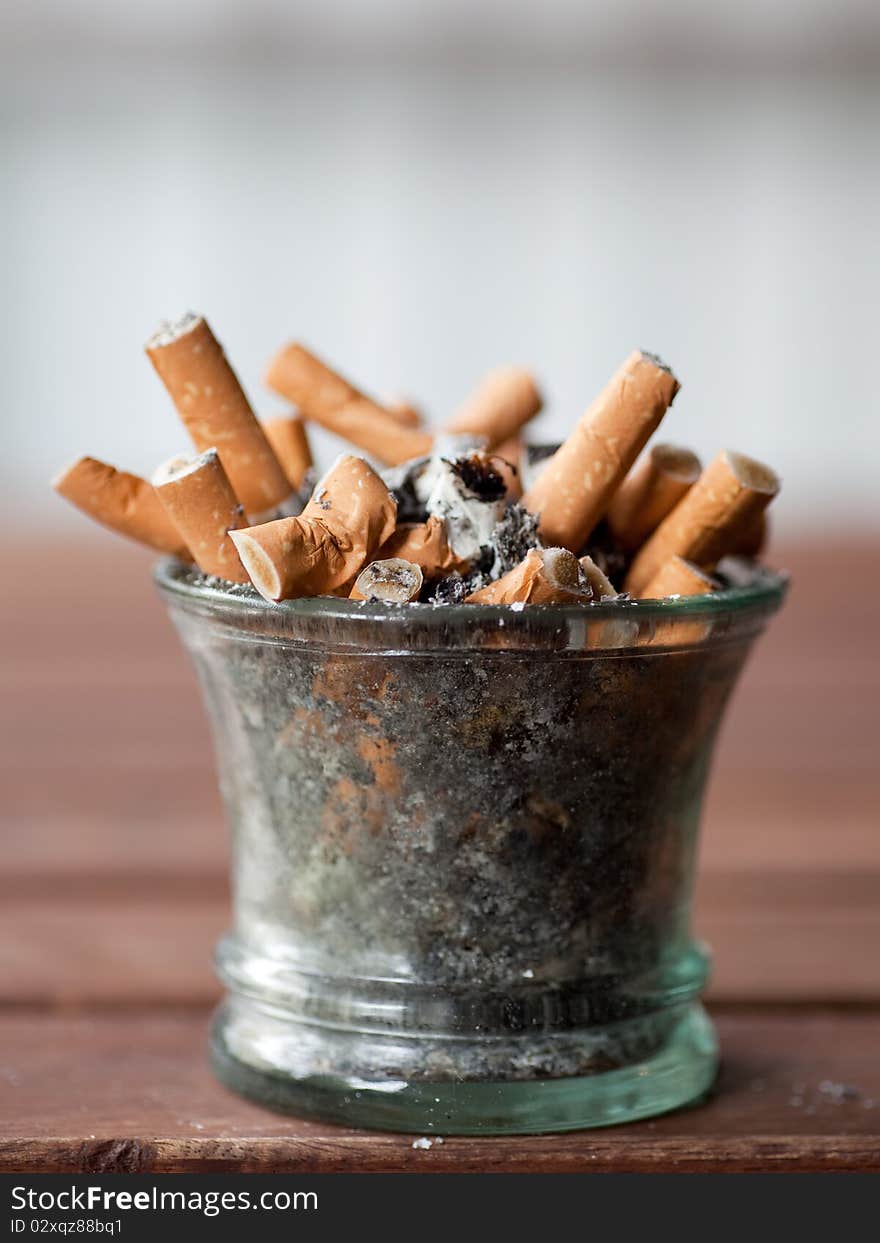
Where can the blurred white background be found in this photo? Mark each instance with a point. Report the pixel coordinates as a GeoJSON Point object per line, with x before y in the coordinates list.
{"type": "Point", "coordinates": [424, 190]}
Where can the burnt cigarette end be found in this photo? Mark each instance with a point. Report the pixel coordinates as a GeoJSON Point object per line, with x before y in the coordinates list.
{"type": "Point", "coordinates": [171, 330]}
{"type": "Point", "coordinates": [752, 474]}
{"type": "Point", "coordinates": [181, 466]}
{"type": "Point", "coordinates": [657, 361]}
{"type": "Point", "coordinates": [561, 567]}
{"type": "Point", "coordinates": [677, 462]}
{"type": "Point", "coordinates": [480, 477]}
{"type": "Point", "coordinates": [597, 580]}
{"type": "Point", "coordinates": [393, 581]}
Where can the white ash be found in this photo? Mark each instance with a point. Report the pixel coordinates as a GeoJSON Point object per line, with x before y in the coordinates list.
{"type": "Point", "coordinates": [423, 1142]}
{"type": "Point", "coordinates": [181, 465]}
{"type": "Point", "coordinates": [171, 330]}
{"type": "Point", "coordinates": [510, 539]}
{"type": "Point", "coordinates": [412, 482]}
{"type": "Point", "coordinates": [469, 496]}
{"type": "Point", "coordinates": [401, 483]}
{"type": "Point", "coordinates": [447, 449]}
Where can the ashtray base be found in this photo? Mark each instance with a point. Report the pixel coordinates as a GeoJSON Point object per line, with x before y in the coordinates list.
{"type": "Point", "coordinates": [681, 1071]}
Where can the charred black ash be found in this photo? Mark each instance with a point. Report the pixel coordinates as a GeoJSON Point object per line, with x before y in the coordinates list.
{"type": "Point", "coordinates": [480, 477]}
{"type": "Point", "coordinates": [513, 537]}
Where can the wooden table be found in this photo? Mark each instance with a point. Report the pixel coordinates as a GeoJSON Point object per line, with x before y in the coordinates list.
{"type": "Point", "coordinates": [114, 890]}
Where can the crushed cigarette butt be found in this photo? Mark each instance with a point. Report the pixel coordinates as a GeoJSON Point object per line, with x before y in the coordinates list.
{"type": "Point", "coordinates": [544, 576]}
{"type": "Point", "coordinates": [446, 522]}
{"type": "Point", "coordinates": [393, 581]}
{"type": "Point", "coordinates": [323, 549]}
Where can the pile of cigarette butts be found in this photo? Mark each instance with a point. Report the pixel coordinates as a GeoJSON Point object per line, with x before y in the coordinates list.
{"type": "Point", "coordinates": [470, 514]}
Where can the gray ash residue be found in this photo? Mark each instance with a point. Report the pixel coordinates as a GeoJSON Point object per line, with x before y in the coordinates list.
{"type": "Point", "coordinates": [401, 483]}
{"type": "Point", "coordinates": [513, 537]}
{"type": "Point", "coordinates": [656, 360]}
{"type": "Point", "coordinates": [449, 590]}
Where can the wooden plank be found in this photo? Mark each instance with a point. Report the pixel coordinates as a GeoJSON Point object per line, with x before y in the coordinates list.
{"type": "Point", "coordinates": [798, 1091]}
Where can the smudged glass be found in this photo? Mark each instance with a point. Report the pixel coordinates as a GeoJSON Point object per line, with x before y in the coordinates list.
{"type": "Point", "coordinates": [462, 851]}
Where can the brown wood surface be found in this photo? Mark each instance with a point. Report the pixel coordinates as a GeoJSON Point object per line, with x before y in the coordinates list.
{"type": "Point", "coordinates": [131, 1090]}
{"type": "Point", "coordinates": [113, 891]}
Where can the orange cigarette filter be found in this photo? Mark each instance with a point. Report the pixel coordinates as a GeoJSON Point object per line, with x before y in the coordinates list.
{"type": "Point", "coordinates": [321, 551]}
{"type": "Point", "coordinates": [754, 538]}
{"type": "Point", "coordinates": [199, 500]}
{"type": "Point", "coordinates": [216, 413]}
{"type": "Point", "coordinates": [677, 577]}
{"type": "Point", "coordinates": [323, 396]}
{"type": "Point", "coordinates": [404, 411]}
{"type": "Point", "coordinates": [501, 405]}
{"type": "Point", "coordinates": [290, 442]}
{"type": "Point", "coordinates": [710, 519]}
{"type": "Point", "coordinates": [649, 492]}
{"type": "Point", "coordinates": [426, 545]}
{"type": "Point", "coordinates": [599, 582]}
{"type": "Point", "coordinates": [125, 503]}
{"type": "Point", "coordinates": [545, 576]}
{"type": "Point", "coordinates": [574, 489]}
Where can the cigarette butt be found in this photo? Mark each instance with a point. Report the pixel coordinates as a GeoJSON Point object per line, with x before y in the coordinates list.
{"type": "Point", "coordinates": [545, 576]}
{"type": "Point", "coordinates": [506, 459]}
{"type": "Point", "coordinates": [502, 403]}
{"type": "Point", "coordinates": [754, 538]}
{"type": "Point", "coordinates": [215, 411]}
{"type": "Point", "coordinates": [125, 503]}
{"type": "Point", "coordinates": [349, 517]}
{"type": "Point", "coordinates": [354, 502]}
{"type": "Point", "coordinates": [326, 398]}
{"type": "Point", "coordinates": [677, 577]}
{"type": "Point", "coordinates": [598, 580]}
{"type": "Point", "coordinates": [199, 500]}
{"type": "Point", "coordinates": [708, 521]}
{"type": "Point", "coordinates": [393, 581]}
{"type": "Point", "coordinates": [426, 545]}
{"type": "Point", "coordinates": [574, 489]}
{"type": "Point", "coordinates": [290, 443]}
{"type": "Point", "coordinates": [649, 492]}
{"type": "Point", "coordinates": [405, 411]}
